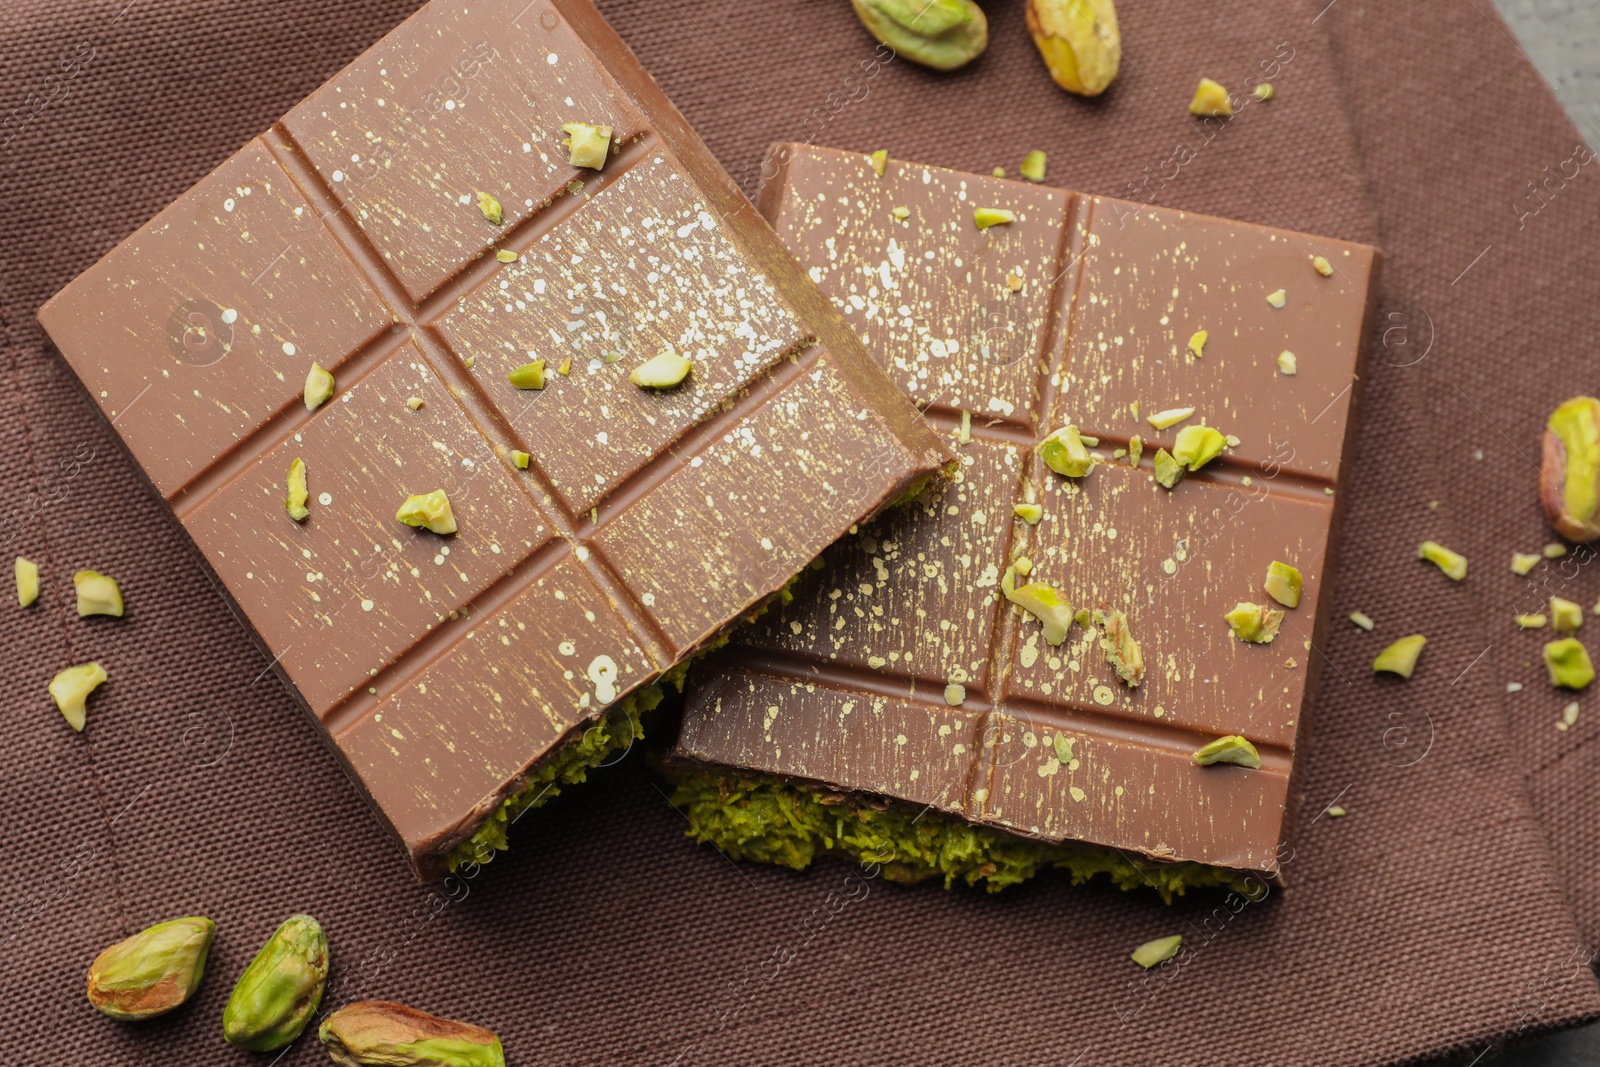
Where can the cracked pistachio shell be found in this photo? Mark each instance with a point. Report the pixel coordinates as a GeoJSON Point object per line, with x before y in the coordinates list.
{"type": "Point", "coordinates": [942, 34]}
{"type": "Point", "coordinates": [279, 991]}
{"type": "Point", "coordinates": [98, 594]}
{"type": "Point", "coordinates": [429, 511]}
{"type": "Point", "coordinates": [378, 1033]}
{"type": "Point", "coordinates": [153, 971]}
{"type": "Point", "coordinates": [1569, 478]}
{"type": "Point", "coordinates": [1079, 42]}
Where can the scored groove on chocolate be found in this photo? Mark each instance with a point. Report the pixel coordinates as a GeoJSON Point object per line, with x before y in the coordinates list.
{"type": "Point", "coordinates": [845, 687]}
{"type": "Point", "coordinates": [350, 234]}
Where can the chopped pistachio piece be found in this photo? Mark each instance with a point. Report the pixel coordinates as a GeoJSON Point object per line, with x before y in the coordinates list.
{"type": "Point", "coordinates": [1568, 663]}
{"type": "Point", "coordinates": [490, 208]}
{"type": "Point", "coordinates": [528, 376]}
{"type": "Point", "coordinates": [414, 403]}
{"type": "Point", "coordinates": [1039, 600]}
{"type": "Point", "coordinates": [1169, 472]}
{"type": "Point", "coordinates": [880, 160]}
{"type": "Point", "coordinates": [1283, 584]}
{"type": "Point", "coordinates": [662, 372]}
{"type": "Point", "coordinates": [902, 213]}
{"type": "Point", "coordinates": [1198, 445]}
{"type": "Point", "coordinates": [27, 581]}
{"type": "Point", "coordinates": [1229, 749]}
{"type": "Point", "coordinates": [430, 511]}
{"type": "Point", "coordinates": [1363, 620]}
{"type": "Point", "coordinates": [1028, 513]}
{"type": "Point", "coordinates": [1013, 282]}
{"type": "Point", "coordinates": [1256, 623]}
{"type": "Point", "coordinates": [1565, 615]}
{"type": "Point", "coordinates": [1278, 298]}
{"type": "Point", "coordinates": [1162, 420]}
{"type": "Point", "coordinates": [1122, 651]}
{"type": "Point", "coordinates": [1401, 657]}
{"type": "Point", "coordinates": [1321, 265]}
{"type": "Point", "coordinates": [964, 434]}
{"type": "Point", "coordinates": [1569, 714]}
{"type": "Point", "coordinates": [1532, 622]}
{"type": "Point", "coordinates": [1197, 343]}
{"type": "Point", "coordinates": [505, 255]}
{"type": "Point", "coordinates": [1033, 166]}
{"type": "Point", "coordinates": [565, 370]}
{"type": "Point", "coordinates": [954, 694]}
{"type": "Point", "coordinates": [295, 502]}
{"type": "Point", "coordinates": [1135, 450]}
{"type": "Point", "coordinates": [520, 459]}
{"type": "Point", "coordinates": [1262, 92]}
{"type": "Point", "coordinates": [1210, 100]}
{"type": "Point", "coordinates": [98, 594]}
{"type": "Point", "coordinates": [70, 690]}
{"type": "Point", "coordinates": [1554, 550]}
{"type": "Point", "coordinates": [1523, 562]}
{"type": "Point", "coordinates": [1158, 951]}
{"type": "Point", "coordinates": [1336, 812]}
{"type": "Point", "coordinates": [1453, 564]}
{"type": "Point", "coordinates": [470, 362]}
{"type": "Point", "coordinates": [319, 387]}
{"type": "Point", "coordinates": [1287, 364]}
{"type": "Point", "coordinates": [587, 144]}
{"type": "Point", "coordinates": [998, 172]}
{"type": "Point", "coordinates": [1063, 746]}
{"type": "Point", "coordinates": [992, 216]}
{"type": "Point", "coordinates": [1064, 452]}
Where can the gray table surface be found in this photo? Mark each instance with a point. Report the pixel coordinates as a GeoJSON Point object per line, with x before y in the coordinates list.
{"type": "Point", "coordinates": [1562, 40]}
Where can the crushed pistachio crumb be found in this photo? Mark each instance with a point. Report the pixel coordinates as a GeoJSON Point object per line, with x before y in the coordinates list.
{"type": "Point", "coordinates": [1028, 513]}
{"type": "Point", "coordinates": [879, 160]}
{"type": "Point", "coordinates": [661, 372]}
{"type": "Point", "coordinates": [1197, 343]}
{"type": "Point", "coordinates": [1401, 657]}
{"type": "Point", "coordinates": [1337, 812]}
{"type": "Point", "coordinates": [98, 594]}
{"type": "Point", "coordinates": [1283, 584]}
{"type": "Point", "coordinates": [1278, 298]}
{"type": "Point", "coordinates": [1013, 282]}
{"type": "Point", "coordinates": [964, 432]}
{"type": "Point", "coordinates": [1554, 550]}
{"type": "Point", "coordinates": [490, 209]}
{"type": "Point", "coordinates": [1256, 623]}
{"type": "Point", "coordinates": [319, 387]}
{"type": "Point", "coordinates": [27, 573]}
{"type": "Point", "coordinates": [1321, 265]}
{"type": "Point", "coordinates": [1565, 615]}
{"type": "Point", "coordinates": [902, 213]}
{"type": "Point", "coordinates": [70, 690]}
{"type": "Point", "coordinates": [954, 694]}
{"type": "Point", "coordinates": [295, 502]}
{"type": "Point", "coordinates": [1210, 100]}
{"type": "Point", "coordinates": [520, 459]}
{"type": "Point", "coordinates": [1163, 420]}
{"type": "Point", "coordinates": [1153, 953]}
{"type": "Point", "coordinates": [414, 403]}
{"type": "Point", "coordinates": [1453, 564]}
{"type": "Point", "coordinates": [470, 362]}
{"type": "Point", "coordinates": [1262, 92]}
{"type": "Point", "coordinates": [1569, 716]}
{"type": "Point", "coordinates": [505, 255]}
{"type": "Point", "coordinates": [1122, 651]}
{"type": "Point", "coordinates": [430, 511]}
{"type": "Point", "coordinates": [1229, 749]}
{"type": "Point", "coordinates": [1033, 166]}
{"type": "Point", "coordinates": [1532, 621]}
{"type": "Point", "coordinates": [1363, 620]}
{"type": "Point", "coordinates": [1169, 472]}
{"type": "Point", "coordinates": [1523, 562]}
{"type": "Point", "coordinates": [1287, 364]}
{"type": "Point", "coordinates": [992, 216]}
{"type": "Point", "coordinates": [587, 144]}
{"type": "Point", "coordinates": [1135, 450]}
{"type": "Point", "coordinates": [1568, 663]}
{"type": "Point", "coordinates": [998, 172]}
{"type": "Point", "coordinates": [528, 376]}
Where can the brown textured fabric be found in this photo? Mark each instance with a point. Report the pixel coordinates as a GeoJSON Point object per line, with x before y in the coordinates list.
{"type": "Point", "coordinates": [1429, 919]}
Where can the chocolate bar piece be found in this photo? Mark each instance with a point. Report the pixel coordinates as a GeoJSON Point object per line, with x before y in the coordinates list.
{"type": "Point", "coordinates": [418, 227]}
{"type": "Point", "coordinates": [902, 703]}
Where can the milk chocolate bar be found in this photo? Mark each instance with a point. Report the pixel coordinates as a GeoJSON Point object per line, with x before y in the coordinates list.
{"type": "Point", "coordinates": [491, 229]}
{"type": "Point", "coordinates": [929, 702]}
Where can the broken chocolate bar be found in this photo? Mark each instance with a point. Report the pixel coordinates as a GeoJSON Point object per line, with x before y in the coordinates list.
{"type": "Point", "coordinates": [416, 302]}
{"type": "Point", "coordinates": [1036, 666]}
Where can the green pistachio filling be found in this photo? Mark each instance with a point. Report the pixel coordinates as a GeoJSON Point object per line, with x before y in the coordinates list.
{"type": "Point", "coordinates": [1574, 423]}
{"type": "Point", "coordinates": [762, 819]}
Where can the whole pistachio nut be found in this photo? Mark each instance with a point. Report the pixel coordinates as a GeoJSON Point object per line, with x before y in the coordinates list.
{"type": "Point", "coordinates": [153, 971]}
{"type": "Point", "coordinates": [279, 992]}
{"type": "Point", "coordinates": [1569, 481]}
{"type": "Point", "coordinates": [942, 34]}
{"type": "Point", "coordinates": [1079, 41]}
{"type": "Point", "coordinates": [379, 1033]}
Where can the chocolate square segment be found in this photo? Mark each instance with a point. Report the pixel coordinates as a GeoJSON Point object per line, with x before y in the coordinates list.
{"type": "Point", "coordinates": [449, 671]}
{"type": "Point", "coordinates": [900, 671]}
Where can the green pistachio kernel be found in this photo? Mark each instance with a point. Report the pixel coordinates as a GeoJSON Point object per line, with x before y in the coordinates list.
{"type": "Point", "coordinates": [1453, 564]}
{"type": "Point", "coordinates": [1135, 450]}
{"type": "Point", "coordinates": [954, 694]}
{"type": "Point", "coordinates": [376, 1032]}
{"type": "Point", "coordinates": [429, 511]}
{"type": "Point", "coordinates": [1064, 452]}
{"type": "Point", "coordinates": [490, 208]}
{"type": "Point", "coordinates": [27, 581]}
{"type": "Point", "coordinates": [901, 213]}
{"type": "Point", "coordinates": [998, 172]}
{"type": "Point", "coordinates": [280, 990]}
{"type": "Point", "coordinates": [1278, 298]}
{"type": "Point", "coordinates": [1063, 746]}
{"type": "Point", "coordinates": [1197, 343]}
{"type": "Point", "coordinates": [1262, 92]}
{"type": "Point", "coordinates": [1570, 485]}
{"type": "Point", "coordinates": [1532, 621]}
{"type": "Point", "coordinates": [1523, 562]}
{"type": "Point", "coordinates": [1363, 620]}
{"type": "Point", "coordinates": [414, 403]}
{"type": "Point", "coordinates": [1288, 365]}
{"type": "Point", "coordinates": [942, 34]}
{"type": "Point", "coordinates": [1169, 472]}
{"type": "Point", "coordinates": [1256, 623]}
{"type": "Point", "coordinates": [295, 502]}
{"type": "Point", "coordinates": [528, 376]}
{"type": "Point", "coordinates": [1122, 651]}
{"type": "Point", "coordinates": [319, 387]}
{"type": "Point", "coordinates": [880, 160]}
{"type": "Point", "coordinates": [1321, 265]}
{"type": "Point", "coordinates": [505, 255]}
{"type": "Point", "coordinates": [1565, 615]}
{"type": "Point", "coordinates": [70, 690]}
{"type": "Point", "coordinates": [1210, 100]}
{"type": "Point", "coordinates": [1401, 657]}
{"type": "Point", "coordinates": [1198, 445]}
{"type": "Point", "coordinates": [1039, 600]}
{"type": "Point", "coordinates": [1283, 584]}
{"type": "Point", "coordinates": [1028, 513]}
{"type": "Point", "coordinates": [1229, 749]}
{"type": "Point", "coordinates": [992, 216]}
{"type": "Point", "coordinates": [1554, 550]}
{"type": "Point", "coordinates": [1159, 951]}
{"type": "Point", "coordinates": [1568, 663]}
{"type": "Point", "coordinates": [153, 971]}
{"type": "Point", "coordinates": [520, 459]}
{"type": "Point", "coordinates": [1163, 420]}
{"type": "Point", "coordinates": [1033, 166]}
{"type": "Point", "coordinates": [587, 144]}
{"type": "Point", "coordinates": [98, 594]}
{"type": "Point", "coordinates": [661, 372]}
